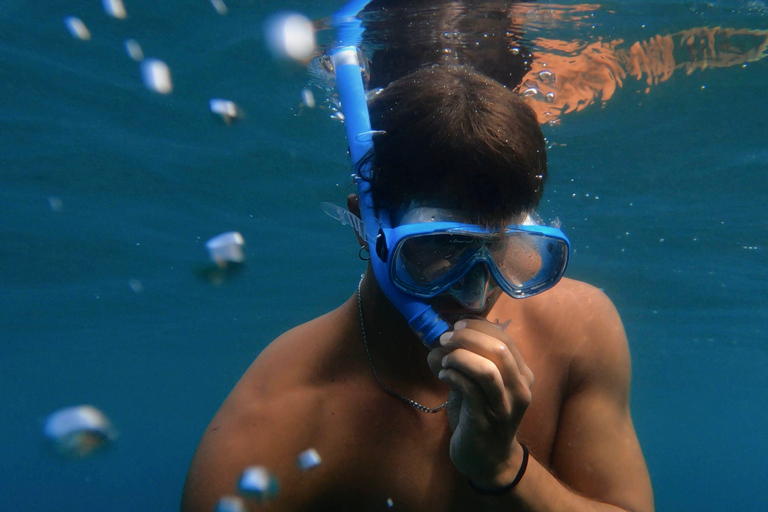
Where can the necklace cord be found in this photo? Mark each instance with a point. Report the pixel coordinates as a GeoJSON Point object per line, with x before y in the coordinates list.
{"type": "Point", "coordinates": [412, 403]}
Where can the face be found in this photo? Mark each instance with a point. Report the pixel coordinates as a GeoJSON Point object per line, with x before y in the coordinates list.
{"type": "Point", "coordinates": [475, 293]}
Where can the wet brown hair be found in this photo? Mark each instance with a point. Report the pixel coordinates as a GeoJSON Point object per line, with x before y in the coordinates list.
{"type": "Point", "coordinates": [457, 139]}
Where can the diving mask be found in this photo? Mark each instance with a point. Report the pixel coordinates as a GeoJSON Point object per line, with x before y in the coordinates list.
{"type": "Point", "coordinates": [430, 251]}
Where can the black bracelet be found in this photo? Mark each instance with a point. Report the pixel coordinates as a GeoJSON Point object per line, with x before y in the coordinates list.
{"type": "Point", "coordinates": [506, 488]}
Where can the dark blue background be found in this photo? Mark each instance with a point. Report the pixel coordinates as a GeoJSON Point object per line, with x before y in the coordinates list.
{"type": "Point", "coordinates": [663, 196]}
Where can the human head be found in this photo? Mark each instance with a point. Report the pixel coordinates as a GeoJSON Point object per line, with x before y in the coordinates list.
{"type": "Point", "coordinates": [456, 139]}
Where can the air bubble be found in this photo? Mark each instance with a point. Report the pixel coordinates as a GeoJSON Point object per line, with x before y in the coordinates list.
{"type": "Point", "coordinates": [77, 28]}
{"type": "Point", "coordinates": [547, 77]}
{"type": "Point", "coordinates": [156, 76]}
{"type": "Point", "coordinates": [531, 92]}
{"type": "Point", "coordinates": [55, 203]}
{"type": "Point", "coordinates": [308, 459]}
{"type": "Point", "coordinates": [226, 248]}
{"type": "Point", "coordinates": [79, 431]}
{"type": "Point", "coordinates": [220, 6]}
{"type": "Point", "coordinates": [230, 504]}
{"type": "Point", "coordinates": [226, 109]}
{"type": "Point", "coordinates": [308, 97]}
{"type": "Point", "coordinates": [114, 8]}
{"type": "Point", "coordinates": [291, 35]}
{"type": "Point", "coordinates": [258, 483]}
{"type": "Point", "coordinates": [133, 49]}
{"type": "Point", "coordinates": [373, 93]}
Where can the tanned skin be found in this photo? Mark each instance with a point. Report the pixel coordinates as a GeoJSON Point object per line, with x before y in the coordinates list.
{"type": "Point", "coordinates": [550, 371]}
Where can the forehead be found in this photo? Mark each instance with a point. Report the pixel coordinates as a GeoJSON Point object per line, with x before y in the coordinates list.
{"type": "Point", "coordinates": [415, 213]}
{"type": "Point", "coordinates": [418, 214]}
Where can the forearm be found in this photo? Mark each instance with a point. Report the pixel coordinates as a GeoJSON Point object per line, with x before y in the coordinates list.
{"type": "Point", "coordinates": [540, 491]}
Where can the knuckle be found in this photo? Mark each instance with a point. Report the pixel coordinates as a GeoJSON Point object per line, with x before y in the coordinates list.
{"type": "Point", "coordinates": [488, 369]}
{"type": "Point", "coordinates": [500, 349]}
{"type": "Point", "coordinates": [530, 377]}
{"type": "Point", "coordinates": [524, 397]}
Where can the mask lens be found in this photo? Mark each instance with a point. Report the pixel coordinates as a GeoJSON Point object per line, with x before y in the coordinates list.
{"type": "Point", "coordinates": [523, 263]}
{"type": "Point", "coordinates": [530, 261]}
{"type": "Point", "coordinates": [430, 259]}
{"type": "Point", "coordinates": [474, 287]}
{"type": "Point", "coordinates": [518, 258]}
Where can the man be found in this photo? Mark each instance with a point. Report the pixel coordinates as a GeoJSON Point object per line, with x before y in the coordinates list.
{"type": "Point", "coordinates": [359, 387]}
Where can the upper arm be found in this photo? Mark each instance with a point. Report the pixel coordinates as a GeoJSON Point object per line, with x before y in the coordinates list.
{"type": "Point", "coordinates": [246, 433]}
{"type": "Point", "coordinates": [214, 469]}
{"type": "Point", "coordinates": [596, 450]}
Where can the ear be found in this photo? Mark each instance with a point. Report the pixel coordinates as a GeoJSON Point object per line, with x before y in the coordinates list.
{"type": "Point", "coordinates": [353, 205]}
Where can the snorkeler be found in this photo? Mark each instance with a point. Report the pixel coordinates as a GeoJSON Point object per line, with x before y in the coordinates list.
{"type": "Point", "coordinates": [403, 413]}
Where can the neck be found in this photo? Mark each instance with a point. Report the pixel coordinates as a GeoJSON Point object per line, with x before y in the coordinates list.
{"type": "Point", "coordinates": [398, 354]}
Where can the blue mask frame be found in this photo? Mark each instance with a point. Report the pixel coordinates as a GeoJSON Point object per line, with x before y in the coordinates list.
{"type": "Point", "coordinates": [552, 246]}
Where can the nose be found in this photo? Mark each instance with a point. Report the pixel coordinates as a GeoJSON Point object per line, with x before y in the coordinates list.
{"type": "Point", "coordinates": [474, 288]}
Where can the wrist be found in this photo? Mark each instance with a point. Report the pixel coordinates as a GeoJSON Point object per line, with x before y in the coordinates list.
{"type": "Point", "coordinates": [506, 480]}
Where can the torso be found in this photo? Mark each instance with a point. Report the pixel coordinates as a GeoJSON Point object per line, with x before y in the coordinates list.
{"type": "Point", "coordinates": [374, 447]}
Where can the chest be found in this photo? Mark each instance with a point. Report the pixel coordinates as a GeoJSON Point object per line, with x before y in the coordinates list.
{"type": "Point", "coordinates": [389, 456]}
{"type": "Point", "coordinates": [398, 460]}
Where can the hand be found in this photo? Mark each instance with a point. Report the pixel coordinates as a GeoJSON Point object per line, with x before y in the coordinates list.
{"type": "Point", "coordinates": [490, 392]}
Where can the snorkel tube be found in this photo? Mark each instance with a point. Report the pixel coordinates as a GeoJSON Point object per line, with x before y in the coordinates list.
{"type": "Point", "coordinates": [421, 318]}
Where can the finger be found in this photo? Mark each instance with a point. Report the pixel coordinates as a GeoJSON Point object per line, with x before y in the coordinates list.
{"type": "Point", "coordinates": [469, 391]}
{"type": "Point", "coordinates": [435, 358]}
{"type": "Point", "coordinates": [494, 331]}
{"type": "Point", "coordinates": [485, 374]}
{"type": "Point", "coordinates": [492, 343]}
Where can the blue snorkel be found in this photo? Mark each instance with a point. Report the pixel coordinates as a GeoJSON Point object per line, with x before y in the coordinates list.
{"type": "Point", "coordinates": [421, 318]}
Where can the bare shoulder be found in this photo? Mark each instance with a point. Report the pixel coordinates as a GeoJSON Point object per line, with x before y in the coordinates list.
{"type": "Point", "coordinates": [590, 322]}
{"type": "Point", "coordinates": [577, 297]}
{"type": "Point", "coordinates": [595, 337]}
{"type": "Point", "coordinates": [578, 323]}
{"type": "Point", "coordinates": [573, 312]}
{"type": "Point", "coordinates": [307, 355]}
{"type": "Point", "coordinates": [276, 411]}
{"type": "Point", "coordinates": [594, 428]}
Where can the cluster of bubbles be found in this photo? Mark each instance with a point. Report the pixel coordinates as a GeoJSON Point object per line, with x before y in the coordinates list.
{"type": "Point", "coordinates": [258, 483]}
{"type": "Point", "coordinates": [155, 73]}
{"type": "Point", "coordinates": [83, 430]}
{"type": "Point", "coordinates": [322, 76]}
{"type": "Point", "coordinates": [289, 36]}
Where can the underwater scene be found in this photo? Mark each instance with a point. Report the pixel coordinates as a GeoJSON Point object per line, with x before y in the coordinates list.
{"type": "Point", "coordinates": [164, 179]}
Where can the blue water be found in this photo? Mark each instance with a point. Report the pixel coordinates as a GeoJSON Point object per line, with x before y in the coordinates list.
{"type": "Point", "coordinates": [108, 192]}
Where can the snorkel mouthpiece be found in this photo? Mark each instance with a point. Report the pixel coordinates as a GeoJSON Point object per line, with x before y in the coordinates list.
{"type": "Point", "coordinates": [421, 318]}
